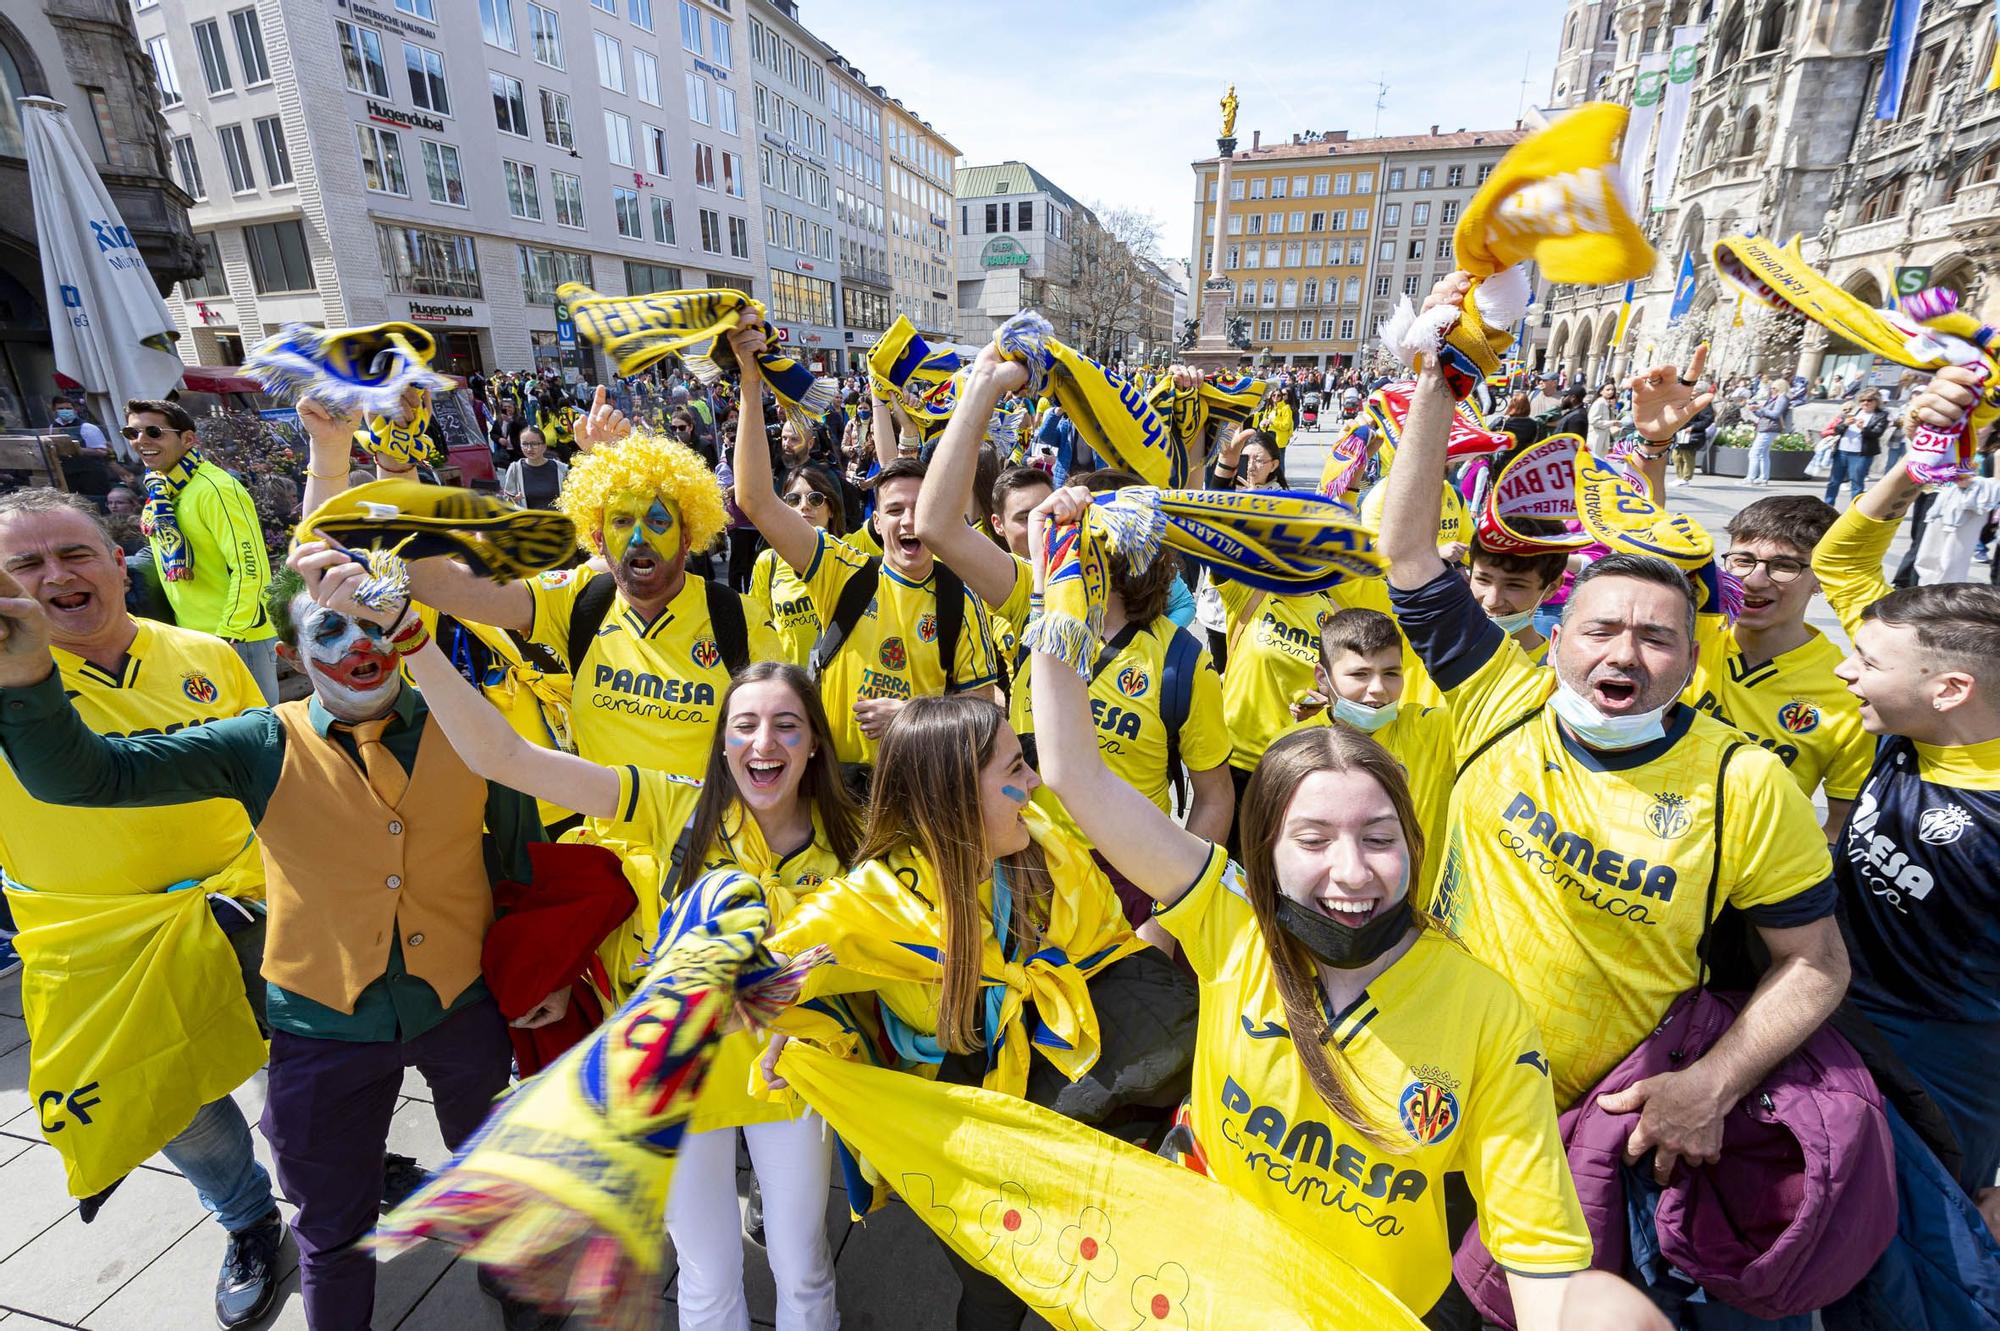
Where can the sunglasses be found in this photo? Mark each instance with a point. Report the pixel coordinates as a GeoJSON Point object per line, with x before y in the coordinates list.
{"type": "Point", "coordinates": [149, 431]}
{"type": "Point", "coordinates": [810, 499]}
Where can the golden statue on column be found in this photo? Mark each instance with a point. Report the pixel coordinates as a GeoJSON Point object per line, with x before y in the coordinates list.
{"type": "Point", "coordinates": [1229, 113]}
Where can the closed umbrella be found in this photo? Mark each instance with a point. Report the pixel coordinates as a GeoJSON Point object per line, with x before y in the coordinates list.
{"type": "Point", "coordinates": [112, 331]}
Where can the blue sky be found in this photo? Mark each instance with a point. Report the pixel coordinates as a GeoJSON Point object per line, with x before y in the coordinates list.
{"type": "Point", "coordinates": [1111, 99]}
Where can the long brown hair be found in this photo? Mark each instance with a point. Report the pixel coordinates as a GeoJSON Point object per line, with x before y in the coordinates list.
{"type": "Point", "coordinates": [926, 796]}
{"type": "Point", "coordinates": [821, 787]}
{"type": "Point", "coordinates": [1283, 769]}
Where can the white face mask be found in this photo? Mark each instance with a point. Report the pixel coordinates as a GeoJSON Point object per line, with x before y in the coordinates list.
{"type": "Point", "coordinates": [1599, 731]}
{"type": "Point", "coordinates": [1513, 624]}
{"type": "Point", "coordinates": [1363, 717]}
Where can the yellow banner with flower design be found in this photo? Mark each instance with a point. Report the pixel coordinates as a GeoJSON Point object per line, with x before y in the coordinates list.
{"type": "Point", "coordinates": [1091, 1233]}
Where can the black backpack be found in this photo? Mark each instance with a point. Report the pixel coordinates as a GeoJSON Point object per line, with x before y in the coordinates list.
{"type": "Point", "coordinates": [725, 619]}
{"type": "Point", "coordinates": [853, 603]}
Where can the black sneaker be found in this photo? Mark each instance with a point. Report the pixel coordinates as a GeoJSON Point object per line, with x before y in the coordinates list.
{"type": "Point", "coordinates": [753, 1214]}
{"type": "Point", "coordinates": [88, 1208]}
{"type": "Point", "coordinates": [401, 1177]}
{"type": "Point", "coordinates": [248, 1284]}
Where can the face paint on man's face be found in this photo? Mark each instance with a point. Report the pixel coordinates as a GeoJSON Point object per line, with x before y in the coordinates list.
{"type": "Point", "coordinates": [632, 518]}
{"type": "Point", "coordinates": [347, 661]}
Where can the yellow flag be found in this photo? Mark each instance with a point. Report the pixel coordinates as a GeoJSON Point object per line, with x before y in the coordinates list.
{"type": "Point", "coordinates": [1091, 1233]}
{"type": "Point", "coordinates": [1555, 198]}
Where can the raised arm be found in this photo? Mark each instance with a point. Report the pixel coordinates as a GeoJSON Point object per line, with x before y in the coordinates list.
{"type": "Point", "coordinates": [329, 452]}
{"type": "Point", "coordinates": [1663, 402]}
{"type": "Point", "coordinates": [1153, 851]}
{"type": "Point", "coordinates": [795, 539]}
{"type": "Point", "coordinates": [489, 746]}
{"type": "Point", "coordinates": [883, 430]}
{"type": "Point", "coordinates": [946, 495]}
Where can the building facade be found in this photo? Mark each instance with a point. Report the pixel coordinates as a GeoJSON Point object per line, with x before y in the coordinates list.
{"type": "Point", "coordinates": [87, 55]}
{"type": "Point", "coordinates": [1587, 54]}
{"type": "Point", "coordinates": [1014, 248]}
{"type": "Point", "coordinates": [788, 67]}
{"type": "Point", "coordinates": [356, 162]}
{"type": "Point", "coordinates": [1427, 179]}
{"type": "Point", "coordinates": [918, 184]}
{"type": "Point", "coordinates": [856, 108]}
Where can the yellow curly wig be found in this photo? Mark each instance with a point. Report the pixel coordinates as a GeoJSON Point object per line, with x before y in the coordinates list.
{"type": "Point", "coordinates": [644, 463]}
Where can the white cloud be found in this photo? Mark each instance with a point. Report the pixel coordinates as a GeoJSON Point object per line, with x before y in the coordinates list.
{"type": "Point", "coordinates": [1112, 101]}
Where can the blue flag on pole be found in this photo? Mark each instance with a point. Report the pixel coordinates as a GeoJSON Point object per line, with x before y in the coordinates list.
{"type": "Point", "coordinates": [1903, 22]}
{"type": "Point", "coordinates": [1683, 288]}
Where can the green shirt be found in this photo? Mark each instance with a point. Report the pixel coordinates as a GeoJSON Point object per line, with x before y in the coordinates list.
{"type": "Point", "coordinates": [60, 760]}
{"type": "Point", "coordinates": [231, 566]}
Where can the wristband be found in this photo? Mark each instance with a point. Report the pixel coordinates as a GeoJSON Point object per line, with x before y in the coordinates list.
{"type": "Point", "coordinates": [412, 636]}
{"type": "Point", "coordinates": [326, 476]}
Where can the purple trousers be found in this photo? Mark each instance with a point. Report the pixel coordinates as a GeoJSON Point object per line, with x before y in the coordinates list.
{"type": "Point", "coordinates": [327, 1119]}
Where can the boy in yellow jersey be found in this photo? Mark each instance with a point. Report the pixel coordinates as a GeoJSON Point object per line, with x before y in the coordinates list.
{"type": "Point", "coordinates": [192, 961]}
{"type": "Point", "coordinates": [1919, 897]}
{"type": "Point", "coordinates": [1770, 674]}
{"type": "Point", "coordinates": [1510, 588]}
{"type": "Point", "coordinates": [1360, 683]}
{"type": "Point", "coordinates": [1272, 653]}
{"type": "Point", "coordinates": [892, 645]}
{"type": "Point", "coordinates": [1596, 824]}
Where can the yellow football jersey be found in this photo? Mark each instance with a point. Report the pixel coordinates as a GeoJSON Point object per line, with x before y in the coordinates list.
{"type": "Point", "coordinates": [892, 651]}
{"type": "Point", "coordinates": [1582, 877]}
{"type": "Point", "coordinates": [1442, 1057]}
{"type": "Point", "coordinates": [778, 592]}
{"type": "Point", "coordinates": [1270, 663]}
{"type": "Point", "coordinates": [645, 693]}
{"type": "Point", "coordinates": [655, 807]}
{"type": "Point", "coordinates": [171, 678]}
{"type": "Point", "coordinates": [1791, 704]}
{"type": "Point", "coordinates": [1126, 702]}
{"type": "Point", "coordinates": [1011, 616]}
{"type": "Point", "coordinates": [1419, 690]}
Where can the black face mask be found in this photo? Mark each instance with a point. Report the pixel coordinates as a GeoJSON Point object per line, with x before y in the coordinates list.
{"type": "Point", "coordinates": [1344, 947]}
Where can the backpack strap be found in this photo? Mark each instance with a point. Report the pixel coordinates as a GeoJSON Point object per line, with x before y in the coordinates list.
{"type": "Point", "coordinates": [586, 616]}
{"type": "Point", "coordinates": [727, 622]}
{"type": "Point", "coordinates": [677, 864]}
{"type": "Point", "coordinates": [950, 617]}
{"type": "Point", "coordinates": [1714, 870]}
{"type": "Point", "coordinates": [847, 612]}
{"type": "Point", "coordinates": [1177, 698]}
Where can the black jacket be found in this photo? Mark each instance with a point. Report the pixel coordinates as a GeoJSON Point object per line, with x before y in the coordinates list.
{"type": "Point", "coordinates": [1873, 426]}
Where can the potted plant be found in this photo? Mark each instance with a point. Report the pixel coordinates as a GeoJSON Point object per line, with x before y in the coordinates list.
{"type": "Point", "coordinates": [1731, 454]}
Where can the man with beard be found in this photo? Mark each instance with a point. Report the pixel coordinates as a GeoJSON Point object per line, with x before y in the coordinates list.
{"type": "Point", "coordinates": [1597, 824]}
{"type": "Point", "coordinates": [379, 850]}
{"type": "Point", "coordinates": [132, 676]}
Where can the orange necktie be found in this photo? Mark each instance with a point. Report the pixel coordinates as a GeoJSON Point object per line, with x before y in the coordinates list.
{"type": "Point", "coordinates": [385, 774]}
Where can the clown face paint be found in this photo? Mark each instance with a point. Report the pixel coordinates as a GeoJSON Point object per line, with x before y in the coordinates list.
{"type": "Point", "coordinates": [646, 546]}
{"type": "Point", "coordinates": [349, 664]}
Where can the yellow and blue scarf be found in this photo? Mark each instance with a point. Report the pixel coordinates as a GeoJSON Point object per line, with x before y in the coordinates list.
{"type": "Point", "coordinates": [364, 370]}
{"type": "Point", "coordinates": [1926, 331]}
{"type": "Point", "coordinates": [160, 525]}
{"type": "Point", "coordinates": [1225, 401]}
{"type": "Point", "coordinates": [1616, 510]}
{"type": "Point", "coordinates": [560, 1192]}
{"type": "Point", "coordinates": [640, 331]}
{"type": "Point", "coordinates": [903, 367]}
{"type": "Point", "coordinates": [1110, 413]}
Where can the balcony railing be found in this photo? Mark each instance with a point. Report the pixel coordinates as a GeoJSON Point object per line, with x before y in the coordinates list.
{"type": "Point", "coordinates": [1871, 237]}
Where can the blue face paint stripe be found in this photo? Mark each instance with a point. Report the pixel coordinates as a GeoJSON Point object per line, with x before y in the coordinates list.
{"type": "Point", "coordinates": [1015, 793]}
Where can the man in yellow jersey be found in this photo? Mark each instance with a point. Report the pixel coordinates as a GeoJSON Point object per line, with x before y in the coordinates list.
{"type": "Point", "coordinates": [65, 868]}
{"type": "Point", "coordinates": [1770, 674]}
{"type": "Point", "coordinates": [1597, 825]}
{"type": "Point", "coordinates": [1360, 683]}
{"type": "Point", "coordinates": [882, 648]}
{"type": "Point", "coordinates": [1919, 898]}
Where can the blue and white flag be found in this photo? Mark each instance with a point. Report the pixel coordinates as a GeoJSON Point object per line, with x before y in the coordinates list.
{"type": "Point", "coordinates": [1904, 20]}
{"type": "Point", "coordinates": [1684, 287]}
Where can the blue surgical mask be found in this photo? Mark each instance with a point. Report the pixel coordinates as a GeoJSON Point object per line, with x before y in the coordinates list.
{"type": "Point", "coordinates": [1363, 717]}
{"type": "Point", "coordinates": [1599, 731]}
{"type": "Point", "coordinates": [65, 417]}
{"type": "Point", "coordinates": [1515, 623]}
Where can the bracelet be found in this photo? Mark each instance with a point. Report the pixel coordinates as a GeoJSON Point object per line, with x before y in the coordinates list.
{"type": "Point", "coordinates": [412, 637]}
{"type": "Point", "coordinates": [326, 476]}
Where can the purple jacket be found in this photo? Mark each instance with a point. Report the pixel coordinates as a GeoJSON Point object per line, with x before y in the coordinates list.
{"type": "Point", "coordinates": [1800, 1207]}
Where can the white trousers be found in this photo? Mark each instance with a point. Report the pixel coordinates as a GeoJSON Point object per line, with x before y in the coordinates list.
{"type": "Point", "coordinates": [793, 1160]}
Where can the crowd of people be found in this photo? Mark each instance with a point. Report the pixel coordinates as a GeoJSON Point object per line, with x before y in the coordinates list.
{"type": "Point", "coordinates": [1364, 902]}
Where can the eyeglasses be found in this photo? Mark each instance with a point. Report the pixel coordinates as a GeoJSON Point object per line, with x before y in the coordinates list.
{"type": "Point", "coordinates": [810, 499]}
{"type": "Point", "coordinates": [1780, 569]}
{"type": "Point", "coordinates": [150, 431]}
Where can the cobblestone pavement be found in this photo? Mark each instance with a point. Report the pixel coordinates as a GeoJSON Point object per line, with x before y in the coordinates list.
{"type": "Point", "coordinates": [148, 1263]}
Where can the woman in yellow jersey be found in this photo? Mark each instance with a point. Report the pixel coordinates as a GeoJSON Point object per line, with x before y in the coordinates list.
{"type": "Point", "coordinates": [997, 948]}
{"type": "Point", "coordinates": [785, 599]}
{"type": "Point", "coordinates": [1350, 1054]}
{"type": "Point", "coordinates": [771, 803]}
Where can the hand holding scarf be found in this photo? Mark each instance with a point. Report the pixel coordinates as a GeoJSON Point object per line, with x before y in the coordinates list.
{"type": "Point", "coordinates": [159, 523]}
{"type": "Point", "coordinates": [1109, 412]}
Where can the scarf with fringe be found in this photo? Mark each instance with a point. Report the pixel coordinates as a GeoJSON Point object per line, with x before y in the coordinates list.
{"type": "Point", "coordinates": [1225, 401]}
{"type": "Point", "coordinates": [1340, 474]}
{"type": "Point", "coordinates": [640, 331]}
{"type": "Point", "coordinates": [1109, 412]}
{"type": "Point", "coordinates": [387, 522]}
{"type": "Point", "coordinates": [363, 370]}
{"type": "Point", "coordinates": [903, 367]}
{"type": "Point", "coordinates": [159, 523]}
{"type": "Point", "coordinates": [1925, 331]}
{"type": "Point", "coordinates": [404, 442]}
{"type": "Point", "coordinates": [559, 1194]}
{"type": "Point", "coordinates": [1281, 541]}
{"type": "Point", "coordinates": [1555, 198]}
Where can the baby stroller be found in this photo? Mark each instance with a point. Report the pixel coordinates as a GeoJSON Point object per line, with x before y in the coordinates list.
{"type": "Point", "coordinates": [1309, 410]}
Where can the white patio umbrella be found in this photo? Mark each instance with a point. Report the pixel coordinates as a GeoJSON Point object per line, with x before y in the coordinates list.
{"type": "Point", "coordinates": [112, 331]}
